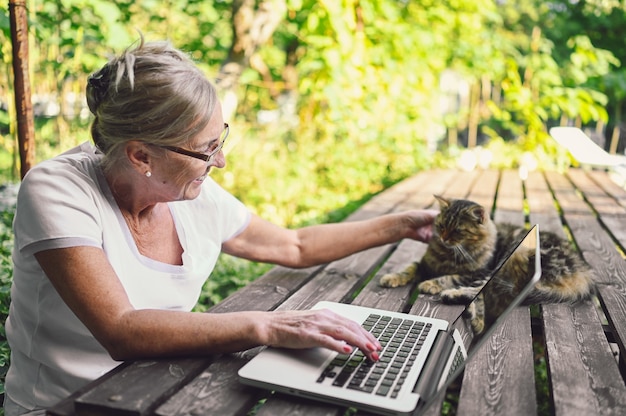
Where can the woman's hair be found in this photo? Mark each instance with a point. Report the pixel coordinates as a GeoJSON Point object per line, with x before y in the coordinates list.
{"type": "Point", "coordinates": [153, 93]}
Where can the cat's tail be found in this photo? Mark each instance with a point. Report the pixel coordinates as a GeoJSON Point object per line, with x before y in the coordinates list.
{"type": "Point", "coordinates": [575, 287]}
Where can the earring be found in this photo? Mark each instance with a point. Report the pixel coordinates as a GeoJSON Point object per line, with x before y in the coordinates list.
{"type": "Point", "coordinates": [148, 174]}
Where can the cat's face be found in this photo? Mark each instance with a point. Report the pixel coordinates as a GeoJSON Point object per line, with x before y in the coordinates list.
{"type": "Point", "coordinates": [461, 223]}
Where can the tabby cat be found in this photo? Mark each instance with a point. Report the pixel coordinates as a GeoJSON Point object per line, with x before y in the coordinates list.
{"type": "Point", "coordinates": [467, 246]}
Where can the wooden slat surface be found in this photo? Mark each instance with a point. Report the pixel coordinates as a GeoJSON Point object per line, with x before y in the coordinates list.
{"type": "Point", "coordinates": [584, 375]}
{"type": "Point", "coordinates": [501, 379]}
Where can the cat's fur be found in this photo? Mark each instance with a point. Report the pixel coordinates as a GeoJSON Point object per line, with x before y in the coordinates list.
{"type": "Point", "coordinates": [467, 246]}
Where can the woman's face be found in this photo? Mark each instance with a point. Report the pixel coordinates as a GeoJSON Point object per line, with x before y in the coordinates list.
{"type": "Point", "coordinates": [181, 176]}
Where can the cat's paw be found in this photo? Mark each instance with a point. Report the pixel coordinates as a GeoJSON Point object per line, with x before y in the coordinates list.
{"type": "Point", "coordinates": [459, 295]}
{"type": "Point", "coordinates": [430, 287]}
{"type": "Point", "coordinates": [478, 325]}
{"type": "Point", "coordinates": [452, 295]}
{"type": "Point", "coordinates": [392, 280]}
{"type": "Point", "coordinates": [402, 278]}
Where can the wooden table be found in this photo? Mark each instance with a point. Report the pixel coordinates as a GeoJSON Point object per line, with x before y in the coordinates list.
{"type": "Point", "coordinates": [582, 346]}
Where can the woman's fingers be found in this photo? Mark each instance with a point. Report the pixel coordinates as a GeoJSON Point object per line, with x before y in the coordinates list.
{"type": "Point", "coordinates": [321, 328]}
{"type": "Point", "coordinates": [344, 334]}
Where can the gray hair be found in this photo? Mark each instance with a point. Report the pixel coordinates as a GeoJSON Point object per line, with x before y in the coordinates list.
{"type": "Point", "coordinates": [153, 93]}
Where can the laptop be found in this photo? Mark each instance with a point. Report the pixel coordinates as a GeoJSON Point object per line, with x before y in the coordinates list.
{"type": "Point", "coordinates": [421, 355]}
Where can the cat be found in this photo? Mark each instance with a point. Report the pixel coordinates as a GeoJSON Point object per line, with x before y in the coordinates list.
{"type": "Point", "coordinates": [467, 246]}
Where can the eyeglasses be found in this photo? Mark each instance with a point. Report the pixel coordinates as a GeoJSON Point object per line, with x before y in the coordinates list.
{"type": "Point", "coordinates": [207, 157]}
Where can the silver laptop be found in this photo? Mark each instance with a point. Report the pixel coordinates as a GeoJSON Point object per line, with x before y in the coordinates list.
{"type": "Point", "coordinates": [421, 356]}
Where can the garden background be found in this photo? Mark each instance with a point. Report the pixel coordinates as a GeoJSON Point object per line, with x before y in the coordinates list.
{"type": "Point", "coordinates": [332, 101]}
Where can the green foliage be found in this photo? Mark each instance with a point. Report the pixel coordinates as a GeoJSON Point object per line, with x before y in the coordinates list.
{"type": "Point", "coordinates": [291, 180]}
{"type": "Point", "coordinates": [6, 273]}
{"type": "Point", "coordinates": [368, 71]}
{"type": "Point", "coordinates": [537, 90]}
{"type": "Point", "coordinates": [229, 275]}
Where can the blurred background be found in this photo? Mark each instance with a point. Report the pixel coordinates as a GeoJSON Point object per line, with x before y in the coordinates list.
{"type": "Point", "coordinates": [332, 101]}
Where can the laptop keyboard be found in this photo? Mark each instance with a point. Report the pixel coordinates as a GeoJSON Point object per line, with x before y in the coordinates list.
{"type": "Point", "coordinates": [458, 361]}
{"type": "Point", "coordinates": [401, 340]}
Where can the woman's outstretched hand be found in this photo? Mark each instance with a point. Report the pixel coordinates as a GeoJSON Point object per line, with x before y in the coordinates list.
{"type": "Point", "coordinates": [421, 222]}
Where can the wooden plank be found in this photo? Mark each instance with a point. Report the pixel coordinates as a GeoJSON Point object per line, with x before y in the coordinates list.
{"type": "Point", "coordinates": [506, 385]}
{"type": "Point", "coordinates": [562, 352]}
{"type": "Point", "coordinates": [566, 196]}
{"type": "Point", "coordinates": [283, 404]}
{"type": "Point", "coordinates": [436, 184]}
{"type": "Point", "coordinates": [588, 381]}
{"type": "Point", "coordinates": [602, 179]}
{"type": "Point", "coordinates": [66, 407]}
{"type": "Point", "coordinates": [421, 195]}
{"type": "Point", "coordinates": [609, 202]}
{"type": "Point", "coordinates": [132, 394]}
{"type": "Point", "coordinates": [499, 380]}
{"type": "Point", "coordinates": [459, 188]}
{"type": "Point", "coordinates": [613, 301]}
{"type": "Point", "coordinates": [268, 291]}
{"type": "Point", "coordinates": [215, 389]}
{"type": "Point", "coordinates": [510, 199]}
{"type": "Point", "coordinates": [598, 249]}
{"type": "Point", "coordinates": [610, 271]}
{"type": "Point", "coordinates": [615, 226]}
{"type": "Point", "coordinates": [602, 203]}
{"type": "Point", "coordinates": [541, 205]}
{"type": "Point", "coordinates": [397, 298]}
{"type": "Point", "coordinates": [484, 189]}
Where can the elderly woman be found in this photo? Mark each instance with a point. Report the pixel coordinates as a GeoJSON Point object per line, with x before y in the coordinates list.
{"type": "Point", "coordinates": [114, 242]}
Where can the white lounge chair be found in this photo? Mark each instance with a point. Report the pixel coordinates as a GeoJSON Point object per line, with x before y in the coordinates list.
{"type": "Point", "coordinates": [588, 154]}
{"type": "Point", "coordinates": [583, 149]}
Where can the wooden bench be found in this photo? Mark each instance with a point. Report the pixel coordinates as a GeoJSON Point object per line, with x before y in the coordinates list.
{"type": "Point", "coordinates": [580, 346]}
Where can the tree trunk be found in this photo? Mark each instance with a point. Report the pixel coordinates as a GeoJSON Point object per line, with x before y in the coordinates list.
{"type": "Point", "coordinates": [23, 103]}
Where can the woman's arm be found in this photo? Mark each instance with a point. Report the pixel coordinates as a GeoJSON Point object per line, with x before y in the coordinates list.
{"type": "Point", "coordinates": [89, 286]}
{"type": "Point", "coordinates": [318, 244]}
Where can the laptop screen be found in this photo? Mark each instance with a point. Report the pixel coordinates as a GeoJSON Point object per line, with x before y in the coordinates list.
{"type": "Point", "coordinates": [507, 288]}
{"type": "Point", "coordinates": [506, 284]}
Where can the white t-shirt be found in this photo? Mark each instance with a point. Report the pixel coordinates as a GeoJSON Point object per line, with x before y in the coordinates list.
{"type": "Point", "coordinates": [65, 202]}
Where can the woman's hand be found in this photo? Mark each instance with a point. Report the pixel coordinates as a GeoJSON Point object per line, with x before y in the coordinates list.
{"type": "Point", "coordinates": [421, 223]}
{"type": "Point", "coordinates": [318, 328]}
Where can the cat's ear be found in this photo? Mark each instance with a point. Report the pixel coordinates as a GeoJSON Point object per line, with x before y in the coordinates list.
{"type": "Point", "coordinates": [479, 213]}
{"type": "Point", "coordinates": [443, 202]}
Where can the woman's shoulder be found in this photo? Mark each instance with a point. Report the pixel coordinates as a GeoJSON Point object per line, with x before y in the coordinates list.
{"type": "Point", "coordinates": [78, 162]}
{"type": "Point", "coordinates": [72, 175]}
{"type": "Point", "coordinates": [83, 153]}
